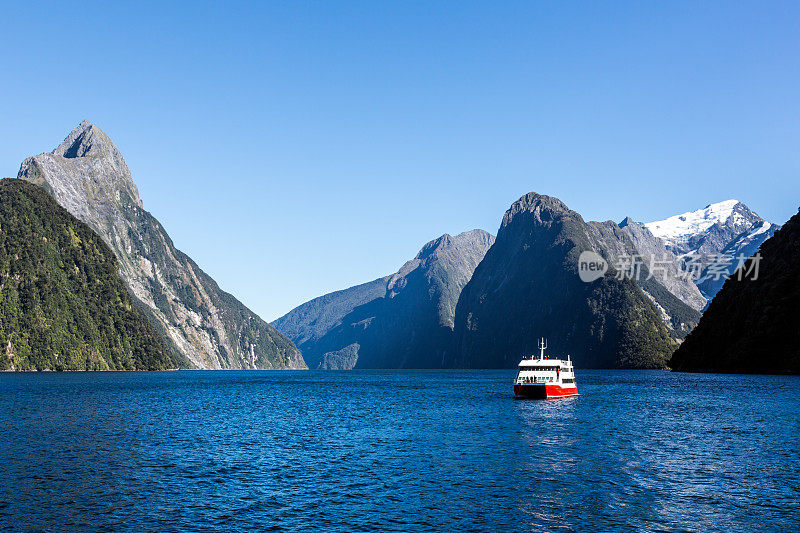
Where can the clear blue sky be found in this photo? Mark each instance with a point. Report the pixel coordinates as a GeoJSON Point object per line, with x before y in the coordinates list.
{"type": "Point", "coordinates": [294, 148]}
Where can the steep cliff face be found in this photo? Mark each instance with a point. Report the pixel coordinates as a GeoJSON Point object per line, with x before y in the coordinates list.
{"type": "Point", "coordinates": [410, 324]}
{"type": "Point", "coordinates": [528, 286]}
{"type": "Point", "coordinates": [88, 176]}
{"type": "Point", "coordinates": [62, 303]}
{"type": "Point", "coordinates": [753, 323]}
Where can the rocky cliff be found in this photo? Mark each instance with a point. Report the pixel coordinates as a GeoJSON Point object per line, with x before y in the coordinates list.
{"type": "Point", "coordinates": [648, 245]}
{"type": "Point", "coordinates": [677, 300]}
{"type": "Point", "coordinates": [88, 176]}
{"type": "Point", "coordinates": [62, 303]}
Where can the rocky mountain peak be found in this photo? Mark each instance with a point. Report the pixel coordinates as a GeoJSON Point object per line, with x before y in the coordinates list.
{"type": "Point", "coordinates": [84, 168]}
{"type": "Point", "coordinates": [476, 238]}
{"type": "Point", "coordinates": [86, 140]}
{"type": "Point", "coordinates": [705, 230]}
{"type": "Point", "coordinates": [88, 176]}
{"type": "Point", "coordinates": [431, 247]}
{"type": "Point", "coordinates": [543, 208]}
{"type": "Point", "coordinates": [528, 285]}
{"type": "Point", "coordinates": [447, 252]}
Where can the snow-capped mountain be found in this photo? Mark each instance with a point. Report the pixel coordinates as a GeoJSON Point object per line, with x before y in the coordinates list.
{"type": "Point", "coordinates": [727, 228]}
{"type": "Point", "coordinates": [707, 230]}
{"type": "Point", "coordinates": [745, 245]}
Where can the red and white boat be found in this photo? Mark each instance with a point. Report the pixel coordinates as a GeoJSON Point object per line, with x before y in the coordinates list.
{"type": "Point", "coordinates": [543, 378]}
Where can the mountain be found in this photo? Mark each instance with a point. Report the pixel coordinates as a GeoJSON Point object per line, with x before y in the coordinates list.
{"type": "Point", "coordinates": [648, 245]}
{"type": "Point", "coordinates": [309, 322]}
{"type": "Point", "coordinates": [706, 230]}
{"type": "Point", "coordinates": [677, 300]}
{"type": "Point", "coordinates": [88, 176]}
{"type": "Point", "coordinates": [743, 246]}
{"type": "Point", "coordinates": [726, 228]}
{"type": "Point", "coordinates": [407, 323]}
{"type": "Point", "coordinates": [528, 286]}
{"type": "Point", "coordinates": [62, 303]}
{"type": "Point", "coordinates": [753, 323]}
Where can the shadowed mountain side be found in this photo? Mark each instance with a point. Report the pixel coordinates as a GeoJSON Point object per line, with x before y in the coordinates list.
{"type": "Point", "coordinates": [527, 286]}
{"type": "Point", "coordinates": [411, 325]}
{"type": "Point", "coordinates": [310, 321]}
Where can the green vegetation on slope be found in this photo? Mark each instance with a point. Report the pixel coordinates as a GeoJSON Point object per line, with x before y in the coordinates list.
{"type": "Point", "coordinates": [62, 303]}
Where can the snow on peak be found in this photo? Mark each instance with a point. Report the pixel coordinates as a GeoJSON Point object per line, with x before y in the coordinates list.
{"type": "Point", "coordinates": [693, 222]}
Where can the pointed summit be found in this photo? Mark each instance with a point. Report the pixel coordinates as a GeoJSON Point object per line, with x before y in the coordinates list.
{"type": "Point", "coordinates": [88, 176]}
{"type": "Point", "coordinates": [87, 140]}
{"type": "Point", "coordinates": [86, 166]}
{"type": "Point", "coordinates": [540, 206]}
{"type": "Point", "coordinates": [528, 283]}
{"type": "Point", "coordinates": [706, 230]}
{"type": "Point", "coordinates": [400, 321]}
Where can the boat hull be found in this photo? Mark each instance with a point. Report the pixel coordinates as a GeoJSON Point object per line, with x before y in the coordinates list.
{"type": "Point", "coordinates": [543, 391]}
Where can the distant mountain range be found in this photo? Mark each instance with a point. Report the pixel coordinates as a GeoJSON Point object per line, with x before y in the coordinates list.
{"type": "Point", "coordinates": [727, 228]}
{"type": "Point", "coordinates": [400, 321]}
{"type": "Point", "coordinates": [467, 301]}
{"type": "Point", "coordinates": [753, 323]}
{"type": "Point", "coordinates": [208, 327]}
{"type": "Point", "coordinates": [508, 302]}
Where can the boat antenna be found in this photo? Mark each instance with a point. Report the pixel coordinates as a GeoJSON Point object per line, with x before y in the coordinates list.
{"type": "Point", "coordinates": [542, 345]}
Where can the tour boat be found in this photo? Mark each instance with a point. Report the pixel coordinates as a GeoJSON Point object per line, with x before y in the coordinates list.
{"type": "Point", "coordinates": [543, 378]}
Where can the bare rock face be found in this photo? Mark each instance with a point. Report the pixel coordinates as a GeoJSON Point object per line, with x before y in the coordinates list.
{"type": "Point", "coordinates": [88, 176]}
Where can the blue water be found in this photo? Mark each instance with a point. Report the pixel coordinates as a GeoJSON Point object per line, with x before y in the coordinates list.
{"type": "Point", "coordinates": [402, 451]}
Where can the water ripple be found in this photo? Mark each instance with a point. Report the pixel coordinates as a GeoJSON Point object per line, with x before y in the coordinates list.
{"type": "Point", "coordinates": [396, 451]}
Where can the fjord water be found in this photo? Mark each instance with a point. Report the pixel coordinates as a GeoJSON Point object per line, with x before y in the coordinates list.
{"type": "Point", "coordinates": [397, 450]}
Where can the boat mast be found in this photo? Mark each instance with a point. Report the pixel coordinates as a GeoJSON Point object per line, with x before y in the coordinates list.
{"type": "Point", "coordinates": [542, 345]}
